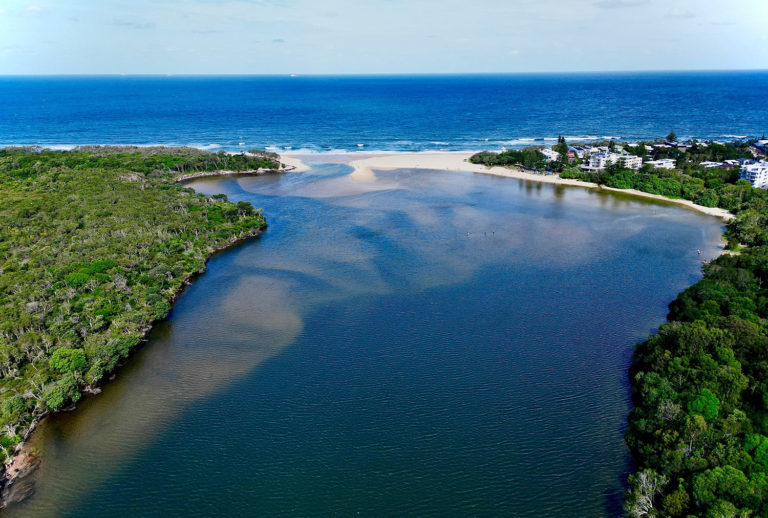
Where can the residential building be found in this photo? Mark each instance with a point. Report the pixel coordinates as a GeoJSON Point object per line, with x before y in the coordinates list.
{"type": "Point", "coordinates": [664, 163]}
{"type": "Point", "coordinates": [599, 161]}
{"type": "Point", "coordinates": [578, 151]}
{"type": "Point", "coordinates": [756, 173]}
{"type": "Point", "coordinates": [550, 155]}
{"type": "Point", "coordinates": [709, 165]}
{"type": "Point", "coordinates": [632, 161]}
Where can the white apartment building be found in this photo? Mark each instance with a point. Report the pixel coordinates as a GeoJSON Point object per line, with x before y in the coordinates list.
{"type": "Point", "coordinates": [600, 160]}
{"type": "Point", "coordinates": [632, 161]}
{"type": "Point", "coordinates": [756, 173]}
{"type": "Point", "coordinates": [664, 163]}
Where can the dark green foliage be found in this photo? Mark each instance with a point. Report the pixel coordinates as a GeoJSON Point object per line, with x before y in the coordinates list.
{"type": "Point", "coordinates": [704, 404]}
{"type": "Point", "coordinates": [531, 158]}
{"type": "Point", "coordinates": [94, 245]}
{"type": "Point", "coordinates": [696, 186]}
{"type": "Point", "coordinates": [14, 407]}
{"type": "Point", "coordinates": [700, 388]}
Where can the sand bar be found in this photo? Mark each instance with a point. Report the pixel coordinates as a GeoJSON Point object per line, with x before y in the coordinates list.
{"type": "Point", "coordinates": [295, 162]}
{"type": "Point", "coordinates": [365, 166]}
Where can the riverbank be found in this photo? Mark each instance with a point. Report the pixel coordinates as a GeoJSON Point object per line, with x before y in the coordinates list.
{"type": "Point", "coordinates": [24, 461]}
{"type": "Point", "coordinates": [365, 165]}
{"type": "Point", "coordinates": [20, 459]}
{"type": "Point", "coordinates": [211, 174]}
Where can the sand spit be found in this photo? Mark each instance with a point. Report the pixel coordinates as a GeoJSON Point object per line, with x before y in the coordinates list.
{"type": "Point", "coordinates": [365, 166]}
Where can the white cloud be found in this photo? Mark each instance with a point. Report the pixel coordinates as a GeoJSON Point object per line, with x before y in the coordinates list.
{"type": "Point", "coordinates": [614, 4]}
{"type": "Point", "coordinates": [679, 13]}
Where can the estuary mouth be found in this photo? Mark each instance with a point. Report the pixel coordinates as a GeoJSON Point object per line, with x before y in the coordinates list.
{"type": "Point", "coordinates": [425, 337]}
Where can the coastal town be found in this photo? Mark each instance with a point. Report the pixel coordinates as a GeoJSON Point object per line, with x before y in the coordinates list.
{"type": "Point", "coordinates": [656, 155]}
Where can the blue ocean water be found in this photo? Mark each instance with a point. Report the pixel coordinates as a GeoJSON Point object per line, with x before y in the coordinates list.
{"type": "Point", "coordinates": [396, 113]}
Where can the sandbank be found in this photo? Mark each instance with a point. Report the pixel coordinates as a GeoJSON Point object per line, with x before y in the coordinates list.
{"type": "Point", "coordinates": [365, 165]}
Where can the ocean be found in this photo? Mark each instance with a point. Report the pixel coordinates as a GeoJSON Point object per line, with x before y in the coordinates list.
{"type": "Point", "coordinates": [379, 113]}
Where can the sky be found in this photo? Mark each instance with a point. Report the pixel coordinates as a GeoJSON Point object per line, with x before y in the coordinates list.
{"type": "Point", "coordinates": [379, 36]}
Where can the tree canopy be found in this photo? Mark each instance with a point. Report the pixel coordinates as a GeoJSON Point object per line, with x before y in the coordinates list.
{"type": "Point", "coordinates": [95, 245]}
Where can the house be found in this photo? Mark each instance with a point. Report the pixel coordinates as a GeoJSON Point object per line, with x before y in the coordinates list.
{"type": "Point", "coordinates": [579, 151]}
{"type": "Point", "coordinates": [710, 165]}
{"type": "Point", "coordinates": [550, 155]}
{"type": "Point", "coordinates": [677, 145]}
{"type": "Point", "coordinates": [664, 163]}
{"type": "Point", "coordinates": [756, 173]}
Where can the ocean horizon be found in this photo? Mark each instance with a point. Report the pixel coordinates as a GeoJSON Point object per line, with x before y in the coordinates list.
{"type": "Point", "coordinates": [385, 113]}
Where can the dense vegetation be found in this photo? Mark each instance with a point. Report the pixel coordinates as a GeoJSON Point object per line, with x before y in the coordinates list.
{"type": "Point", "coordinates": [94, 246]}
{"type": "Point", "coordinates": [699, 431]}
{"type": "Point", "coordinates": [530, 158]}
{"type": "Point", "coordinates": [713, 187]}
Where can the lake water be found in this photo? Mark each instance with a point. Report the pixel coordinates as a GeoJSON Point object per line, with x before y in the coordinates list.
{"type": "Point", "coordinates": [425, 343]}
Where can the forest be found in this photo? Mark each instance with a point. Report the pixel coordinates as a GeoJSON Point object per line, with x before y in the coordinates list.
{"type": "Point", "coordinates": [699, 431]}
{"type": "Point", "coordinates": [95, 245]}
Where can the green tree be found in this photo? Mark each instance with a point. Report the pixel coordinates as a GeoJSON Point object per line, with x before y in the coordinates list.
{"type": "Point", "coordinates": [704, 404]}
{"type": "Point", "coordinates": [66, 360]}
{"type": "Point", "coordinates": [721, 484]}
{"type": "Point", "coordinates": [14, 406]}
{"type": "Point", "coordinates": [562, 149]}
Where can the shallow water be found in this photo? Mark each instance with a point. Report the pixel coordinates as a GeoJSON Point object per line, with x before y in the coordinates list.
{"type": "Point", "coordinates": [430, 343]}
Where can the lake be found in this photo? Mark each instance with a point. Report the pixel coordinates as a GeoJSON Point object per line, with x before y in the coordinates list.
{"type": "Point", "coordinates": [425, 342]}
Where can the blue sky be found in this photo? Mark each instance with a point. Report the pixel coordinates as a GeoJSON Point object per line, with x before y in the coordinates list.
{"type": "Point", "coordinates": [378, 36]}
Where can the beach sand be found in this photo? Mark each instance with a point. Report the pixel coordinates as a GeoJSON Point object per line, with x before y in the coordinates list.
{"type": "Point", "coordinates": [365, 166]}
{"type": "Point", "coordinates": [293, 161]}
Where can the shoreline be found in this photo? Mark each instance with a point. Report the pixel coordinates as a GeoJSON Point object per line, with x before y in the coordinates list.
{"type": "Point", "coordinates": [23, 461]}
{"type": "Point", "coordinates": [224, 172]}
{"type": "Point", "coordinates": [364, 166]}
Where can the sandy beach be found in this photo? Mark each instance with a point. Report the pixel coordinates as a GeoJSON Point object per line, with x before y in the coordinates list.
{"type": "Point", "coordinates": [365, 166]}
{"type": "Point", "coordinates": [291, 161]}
